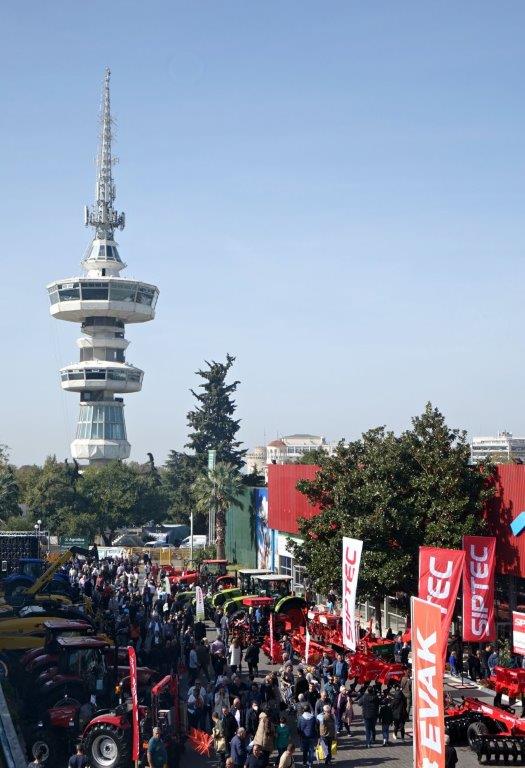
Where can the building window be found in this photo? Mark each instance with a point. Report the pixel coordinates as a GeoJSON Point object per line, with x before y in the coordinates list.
{"type": "Point", "coordinates": [285, 565]}
{"type": "Point", "coordinates": [102, 422]}
{"type": "Point", "coordinates": [298, 578]}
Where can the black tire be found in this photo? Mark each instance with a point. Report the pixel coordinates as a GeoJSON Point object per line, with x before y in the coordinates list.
{"type": "Point", "coordinates": [58, 697]}
{"type": "Point", "coordinates": [107, 747]}
{"type": "Point", "coordinates": [474, 731]}
{"type": "Point", "coordinates": [43, 742]}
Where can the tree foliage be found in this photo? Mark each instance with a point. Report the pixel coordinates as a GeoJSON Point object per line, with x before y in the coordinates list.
{"type": "Point", "coordinates": [178, 475]}
{"type": "Point", "coordinates": [212, 420]}
{"type": "Point", "coordinates": [53, 497]}
{"type": "Point", "coordinates": [395, 493]}
{"type": "Point", "coordinates": [96, 501]}
{"type": "Point", "coordinates": [218, 489]}
{"type": "Point", "coordinates": [212, 427]}
{"type": "Point", "coordinates": [9, 490]}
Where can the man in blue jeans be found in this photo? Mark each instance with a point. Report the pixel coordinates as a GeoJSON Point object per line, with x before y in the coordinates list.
{"type": "Point", "coordinates": [306, 727]}
{"type": "Point", "coordinates": [369, 702]}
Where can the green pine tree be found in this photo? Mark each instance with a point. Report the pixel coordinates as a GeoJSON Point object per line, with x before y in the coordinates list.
{"type": "Point", "coordinates": [212, 422]}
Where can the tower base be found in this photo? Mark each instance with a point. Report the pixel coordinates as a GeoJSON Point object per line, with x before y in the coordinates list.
{"type": "Point", "coordinates": [101, 451]}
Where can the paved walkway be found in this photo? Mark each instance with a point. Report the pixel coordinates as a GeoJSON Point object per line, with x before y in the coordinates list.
{"type": "Point", "coordinates": [351, 750]}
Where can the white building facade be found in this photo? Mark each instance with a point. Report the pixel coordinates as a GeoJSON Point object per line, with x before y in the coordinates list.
{"type": "Point", "coordinates": [503, 445]}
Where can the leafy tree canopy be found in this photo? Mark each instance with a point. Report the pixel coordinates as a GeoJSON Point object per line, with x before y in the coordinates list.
{"type": "Point", "coordinates": [9, 490]}
{"type": "Point", "coordinates": [396, 493]}
{"type": "Point", "coordinates": [116, 495]}
{"type": "Point", "coordinates": [178, 475]}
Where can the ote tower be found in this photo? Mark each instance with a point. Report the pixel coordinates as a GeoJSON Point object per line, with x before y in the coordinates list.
{"type": "Point", "coordinates": [103, 302]}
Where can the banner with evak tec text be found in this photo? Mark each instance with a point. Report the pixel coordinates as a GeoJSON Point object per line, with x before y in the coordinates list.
{"type": "Point", "coordinates": [352, 549]}
{"type": "Point", "coordinates": [479, 621]}
{"type": "Point", "coordinates": [427, 682]}
{"type": "Point", "coordinates": [439, 578]}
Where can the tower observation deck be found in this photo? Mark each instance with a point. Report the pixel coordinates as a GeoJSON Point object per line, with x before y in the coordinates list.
{"type": "Point", "coordinates": [102, 302]}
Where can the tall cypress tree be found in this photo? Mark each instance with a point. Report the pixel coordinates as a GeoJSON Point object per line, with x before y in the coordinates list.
{"type": "Point", "coordinates": [212, 420]}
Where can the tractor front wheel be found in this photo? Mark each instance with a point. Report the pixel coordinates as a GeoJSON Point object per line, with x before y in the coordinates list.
{"type": "Point", "coordinates": [107, 747]}
{"type": "Point", "coordinates": [43, 744]}
{"type": "Point", "coordinates": [474, 731]}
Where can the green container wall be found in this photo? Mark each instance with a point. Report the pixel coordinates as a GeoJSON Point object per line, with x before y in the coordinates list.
{"type": "Point", "coordinates": [241, 543]}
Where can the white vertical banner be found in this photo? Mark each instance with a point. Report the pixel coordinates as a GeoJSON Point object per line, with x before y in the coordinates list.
{"type": "Point", "coordinates": [307, 645]}
{"type": "Point", "coordinates": [352, 549]}
{"type": "Point", "coordinates": [199, 600]}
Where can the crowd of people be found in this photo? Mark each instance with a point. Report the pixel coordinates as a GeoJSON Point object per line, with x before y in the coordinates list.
{"type": "Point", "coordinates": [254, 720]}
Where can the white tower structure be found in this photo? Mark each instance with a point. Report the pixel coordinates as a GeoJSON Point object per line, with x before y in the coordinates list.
{"type": "Point", "coordinates": [103, 302]}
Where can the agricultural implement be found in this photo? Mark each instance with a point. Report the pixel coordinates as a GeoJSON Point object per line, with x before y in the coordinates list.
{"type": "Point", "coordinates": [496, 735]}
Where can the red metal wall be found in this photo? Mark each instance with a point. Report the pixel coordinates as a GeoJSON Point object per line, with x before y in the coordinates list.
{"type": "Point", "coordinates": [285, 503]}
{"type": "Point", "coordinates": [505, 507]}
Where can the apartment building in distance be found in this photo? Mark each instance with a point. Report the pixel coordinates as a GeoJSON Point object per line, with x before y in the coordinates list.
{"type": "Point", "coordinates": [503, 446]}
{"type": "Point", "coordinates": [285, 450]}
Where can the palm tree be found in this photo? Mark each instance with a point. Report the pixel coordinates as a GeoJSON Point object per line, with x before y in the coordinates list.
{"type": "Point", "coordinates": [218, 489]}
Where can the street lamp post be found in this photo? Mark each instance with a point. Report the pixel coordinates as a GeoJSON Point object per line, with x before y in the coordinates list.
{"type": "Point", "coordinates": [212, 458]}
{"type": "Point", "coordinates": [37, 531]}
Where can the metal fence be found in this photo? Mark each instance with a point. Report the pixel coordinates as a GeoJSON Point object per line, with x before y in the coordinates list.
{"type": "Point", "coordinates": [389, 617]}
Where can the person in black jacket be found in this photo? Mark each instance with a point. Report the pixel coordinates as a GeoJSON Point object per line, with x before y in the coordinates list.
{"type": "Point", "coordinates": [251, 657]}
{"type": "Point", "coordinates": [399, 712]}
{"type": "Point", "coordinates": [252, 720]}
{"type": "Point", "coordinates": [386, 717]}
{"type": "Point", "coordinates": [301, 684]}
{"type": "Point", "coordinates": [369, 703]}
{"type": "Point", "coordinates": [229, 726]}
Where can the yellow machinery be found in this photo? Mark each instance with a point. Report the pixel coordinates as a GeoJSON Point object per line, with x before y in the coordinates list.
{"type": "Point", "coordinates": [22, 627]}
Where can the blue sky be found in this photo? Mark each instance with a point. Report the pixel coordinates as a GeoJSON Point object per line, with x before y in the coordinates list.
{"type": "Point", "coordinates": [331, 191]}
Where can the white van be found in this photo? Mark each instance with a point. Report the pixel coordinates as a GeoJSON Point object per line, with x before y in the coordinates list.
{"type": "Point", "coordinates": [199, 540]}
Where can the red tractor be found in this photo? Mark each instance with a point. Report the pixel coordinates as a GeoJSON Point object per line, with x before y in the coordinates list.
{"type": "Point", "coordinates": [36, 660]}
{"type": "Point", "coordinates": [108, 736]}
{"type": "Point", "coordinates": [83, 666]}
{"type": "Point", "coordinates": [212, 572]}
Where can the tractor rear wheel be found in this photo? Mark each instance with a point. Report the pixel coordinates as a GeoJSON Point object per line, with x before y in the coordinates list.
{"type": "Point", "coordinates": [474, 731]}
{"type": "Point", "coordinates": [107, 747]}
{"type": "Point", "coordinates": [42, 743]}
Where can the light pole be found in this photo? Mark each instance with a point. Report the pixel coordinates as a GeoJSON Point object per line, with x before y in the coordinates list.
{"type": "Point", "coordinates": [212, 458]}
{"type": "Point", "coordinates": [37, 531]}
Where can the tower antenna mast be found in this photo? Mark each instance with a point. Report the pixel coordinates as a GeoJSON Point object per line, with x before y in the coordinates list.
{"type": "Point", "coordinates": [102, 215]}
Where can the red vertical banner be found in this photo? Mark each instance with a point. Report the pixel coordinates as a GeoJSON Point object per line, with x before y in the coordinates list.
{"type": "Point", "coordinates": [427, 682]}
{"type": "Point", "coordinates": [518, 632]}
{"type": "Point", "coordinates": [271, 637]}
{"type": "Point", "coordinates": [439, 578]}
{"type": "Point", "coordinates": [479, 621]}
{"type": "Point", "coordinates": [135, 702]}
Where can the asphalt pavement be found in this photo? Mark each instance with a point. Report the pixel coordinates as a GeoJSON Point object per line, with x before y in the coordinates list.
{"type": "Point", "coordinates": [351, 751]}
